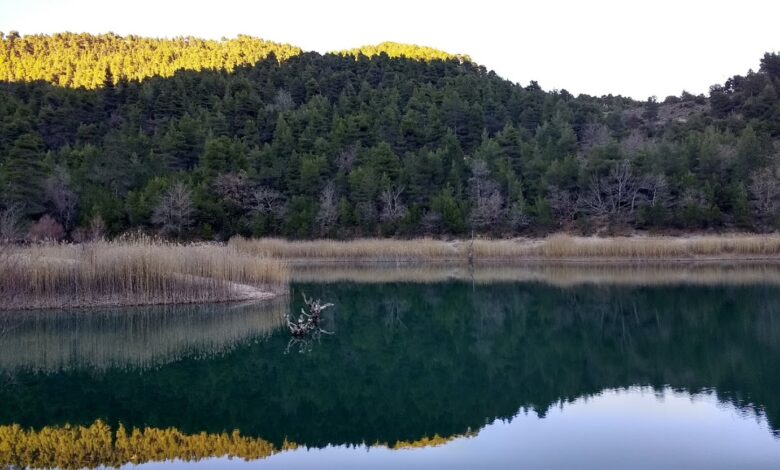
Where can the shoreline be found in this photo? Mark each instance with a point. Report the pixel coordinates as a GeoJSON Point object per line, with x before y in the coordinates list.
{"type": "Point", "coordinates": [555, 248]}
{"type": "Point", "coordinates": [296, 262]}
{"type": "Point", "coordinates": [146, 272]}
{"type": "Point", "coordinates": [255, 297]}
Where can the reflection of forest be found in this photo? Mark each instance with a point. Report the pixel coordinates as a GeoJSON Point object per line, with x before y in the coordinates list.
{"type": "Point", "coordinates": [72, 447]}
{"type": "Point", "coordinates": [414, 360]}
{"type": "Point", "coordinates": [96, 445]}
{"type": "Point", "coordinates": [138, 337]}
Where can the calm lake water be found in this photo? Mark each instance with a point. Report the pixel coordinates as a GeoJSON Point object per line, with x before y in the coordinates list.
{"type": "Point", "coordinates": [493, 368]}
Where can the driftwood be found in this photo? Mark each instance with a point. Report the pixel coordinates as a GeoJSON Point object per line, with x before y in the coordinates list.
{"type": "Point", "coordinates": [307, 326]}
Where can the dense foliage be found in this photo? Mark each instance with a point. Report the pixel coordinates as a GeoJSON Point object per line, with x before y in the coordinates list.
{"type": "Point", "coordinates": [255, 138]}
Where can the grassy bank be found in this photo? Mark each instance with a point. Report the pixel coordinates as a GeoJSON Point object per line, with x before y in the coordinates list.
{"type": "Point", "coordinates": [555, 247]}
{"type": "Point", "coordinates": [134, 273]}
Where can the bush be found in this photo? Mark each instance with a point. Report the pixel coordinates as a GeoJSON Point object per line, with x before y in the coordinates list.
{"type": "Point", "coordinates": [46, 229]}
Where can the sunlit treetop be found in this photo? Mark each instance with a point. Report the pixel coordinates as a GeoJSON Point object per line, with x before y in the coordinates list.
{"type": "Point", "coordinates": [87, 61]}
{"type": "Point", "coordinates": [409, 51]}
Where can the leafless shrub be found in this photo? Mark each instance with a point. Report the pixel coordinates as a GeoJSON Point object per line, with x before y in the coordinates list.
{"type": "Point", "coordinates": [46, 229]}
{"type": "Point", "coordinates": [174, 211]}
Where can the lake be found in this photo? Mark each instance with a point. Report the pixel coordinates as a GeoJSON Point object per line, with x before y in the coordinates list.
{"type": "Point", "coordinates": [421, 367]}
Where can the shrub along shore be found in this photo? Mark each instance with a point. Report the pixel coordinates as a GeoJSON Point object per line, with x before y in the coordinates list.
{"type": "Point", "coordinates": [144, 271]}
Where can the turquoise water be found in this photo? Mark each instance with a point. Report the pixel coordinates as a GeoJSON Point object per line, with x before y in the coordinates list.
{"type": "Point", "coordinates": [497, 374]}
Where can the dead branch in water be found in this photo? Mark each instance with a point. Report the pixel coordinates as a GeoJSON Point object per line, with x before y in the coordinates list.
{"type": "Point", "coordinates": [307, 327]}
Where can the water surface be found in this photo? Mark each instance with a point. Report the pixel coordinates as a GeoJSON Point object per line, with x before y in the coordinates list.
{"type": "Point", "coordinates": [501, 369]}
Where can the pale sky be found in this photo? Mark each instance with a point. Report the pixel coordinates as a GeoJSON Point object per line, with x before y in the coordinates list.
{"type": "Point", "coordinates": [658, 47]}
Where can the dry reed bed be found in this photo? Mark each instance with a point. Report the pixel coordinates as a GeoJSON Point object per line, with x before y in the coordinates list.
{"type": "Point", "coordinates": [133, 273]}
{"type": "Point", "coordinates": [359, 249]}
{"type": "Point", "coordinates": [556, 247]}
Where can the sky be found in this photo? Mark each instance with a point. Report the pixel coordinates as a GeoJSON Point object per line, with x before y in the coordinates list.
{"type": "Point", "coordinates": [637, 49]}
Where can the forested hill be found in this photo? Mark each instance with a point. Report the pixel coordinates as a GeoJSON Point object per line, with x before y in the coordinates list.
{"type": "Point", "coordinates": [206, 139]}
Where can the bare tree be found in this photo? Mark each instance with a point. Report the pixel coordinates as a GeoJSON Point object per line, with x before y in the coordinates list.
{"type": "Point", "coordinates": [11, 223]}
{"type": "Point", "coordinates": [234, 187]}
{"type": "Point", "coordinates": [62, 198]}
{"type": "Point", "coordinates": [326, 217]}
{"type": "Point", "coordinates": [615, 195]}
{"type": "Point", "coordinates": [392, 207]}
{"type": "Point", "coordinates": [268, 201]}
{"type": "Point", "coordinates": [174, 211]}
{"type": "Point", "coordinates": [564, 204]}
{"type": "Point", "coordinates": [487, 203]}
{"type": "Point", "coordinates": [633, 143]}
{"type": "Point", "coordinates": [656, 189]}
{"type": "Point", "coordinates": [765, 188]}
{"type": "Point", "coordinates": [593, 135]}
{"type": "Point", "coordinates": [488, 210]}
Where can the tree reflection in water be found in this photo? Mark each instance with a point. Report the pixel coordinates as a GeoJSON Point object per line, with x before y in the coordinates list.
{"type": "Point", "coordinates": [412, 360]}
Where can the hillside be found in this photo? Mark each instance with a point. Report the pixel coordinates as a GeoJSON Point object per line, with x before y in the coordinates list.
{"type": "Point", "coordinates": [207, 139]}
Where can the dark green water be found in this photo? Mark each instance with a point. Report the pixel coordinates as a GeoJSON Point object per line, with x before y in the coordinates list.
{"type": "Point", "coordinates": [585, 376]}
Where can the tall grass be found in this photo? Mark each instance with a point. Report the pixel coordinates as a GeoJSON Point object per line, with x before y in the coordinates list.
{"type": "Point", "coordinates": [360, 249]}
{"type": "Point", "coordinates": [558, 247]}
{"type": "Point", "coordinates": [132, 273]}
{"type": "Point", "coordinates": [562, 246]}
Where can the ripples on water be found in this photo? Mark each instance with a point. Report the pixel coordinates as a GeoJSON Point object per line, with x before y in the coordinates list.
{"type": "Point", "coordinates": [610, 366]}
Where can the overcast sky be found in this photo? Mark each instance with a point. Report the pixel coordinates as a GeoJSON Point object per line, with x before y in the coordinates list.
{"type": "Point", "coordinates": [658, 47]}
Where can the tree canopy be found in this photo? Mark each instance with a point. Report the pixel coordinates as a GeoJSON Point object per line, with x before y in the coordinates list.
{"type": "Point", "coordinates": [260, 139]}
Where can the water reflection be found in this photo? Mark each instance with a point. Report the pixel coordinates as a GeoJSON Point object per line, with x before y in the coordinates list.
{"type": "Point", "coordinates": [138, 337]}
{"type": "Point", "coordinates": [560, 274]}
{"type": "Point", "coordinates": [412, 361]}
